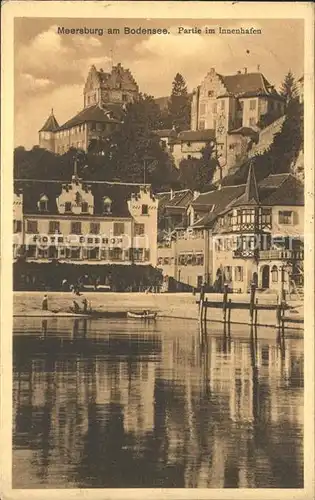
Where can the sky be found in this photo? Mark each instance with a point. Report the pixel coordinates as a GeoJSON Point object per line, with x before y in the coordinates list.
{"type": "Point", "coordinates": [50, 69]}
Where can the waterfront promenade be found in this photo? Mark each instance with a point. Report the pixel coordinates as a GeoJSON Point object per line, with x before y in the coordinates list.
{"type": "Point", "coordinates": [170, 305]}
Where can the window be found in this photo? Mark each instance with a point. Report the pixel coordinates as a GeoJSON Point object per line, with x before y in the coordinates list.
{"type": "Point", "coordinates": [42, 204]}
{"type": "Point", "coordinates": [214, 108]}
{"type": "Point", "coordinates": [54, 227]}
{"type": "Point", "coordinates": [75, 227]}
{"type": "Point", "coordinates": [115, 253]}
{"type": "Point", "coordinates": [146, 254]}
{"type": "Point", "coordinates": [92, 253]}
{"type": "Point", "coordinates": [138, 254]}
{"type": "Point", "coordinates": [210, 93]}
{"type": "Point", "coordinates": [189, 157]}
{"type": "Point", "coordinates": [201, 125]}
{"type": "Point", "coordinates": [84, 207]}
{"type": "Point", "coordinates": [285, 217]}
{"type": "Point", "coordinates": [68, 206]}
{"type": "Point", "coordinates": [17, 226]}
{"type": "Point", "coordinates": [222, 105]}
{"type": "Point", "coordinates": [252, 104]}
{"type": "Point", "coordinates": [274, 274]}
{"type": "Point", "coordinates": [214, 124]}
{"type": "Point", "coordinates": [31, 251]}
{"type": "Point", "coordinates": [118, 228]}
{"type": "Point", "coordinates": [139, 229]}
{"type": "Point", "coordinates": [163, 144]}
{"type": "Point", "coordinates": [73, 253]}
{"type": "Point", "coordinates": [42, 253]}
{"type": "Point", "coordinates": [53, 252]}
{"type": "Point", "coordinates": [107, 205]}
{"type": "Point", "coordinates": [145, 210]}
{"type": "Point", "coordinates": [252, 122]}
{"type": "Point", "coordinates": [124, 97]}
{"type": "Point", "coordinates": [266, 216]}
{"type": "Point", "coordinates": [32, 226]}
{"type": "Point", "coordinates": [199, 259]}
{"type": "Point", "coordinates": [228, 273]}
{"type": "Point", "coordinates": [202, 109]}
{"type": "Point", "coordinates": [95, 228]}
{"type": "Point", "coordinates": [238, 273]}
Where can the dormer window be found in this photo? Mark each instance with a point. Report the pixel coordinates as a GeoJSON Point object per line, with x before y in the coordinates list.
{"type": "Point", "coordinates": [107, 205]}
{"type": "Point", "coordinates": [43, 203]}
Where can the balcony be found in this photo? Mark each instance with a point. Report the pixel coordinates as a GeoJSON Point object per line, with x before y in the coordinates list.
{"type": "Point", "coordinates": [245, 254]}
{"type": "Point", "coordinates": [281, 255]}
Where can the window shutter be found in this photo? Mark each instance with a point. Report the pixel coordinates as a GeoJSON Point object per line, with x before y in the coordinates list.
{"type": "Point", "coordinates": [295, 218]}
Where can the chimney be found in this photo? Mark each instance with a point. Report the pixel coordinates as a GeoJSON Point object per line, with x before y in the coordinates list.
{"type": "Point", "coordinates": [239, 72]}
{"type": "Point", "coordinates": [258, 67]}
{"type": "Point", "coordinates": [245, 71]}
{"type": "Point", "coordinates": [101, 70]}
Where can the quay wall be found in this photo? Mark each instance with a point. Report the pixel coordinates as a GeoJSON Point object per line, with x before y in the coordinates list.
{"type": "Point", "coordinates": [169, 305]}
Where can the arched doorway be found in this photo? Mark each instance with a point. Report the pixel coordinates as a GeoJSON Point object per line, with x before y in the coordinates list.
{"type": "Point", "coordinates": [265, 277]}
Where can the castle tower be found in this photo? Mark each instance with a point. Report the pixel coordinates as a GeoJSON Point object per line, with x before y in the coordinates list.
{"type": "Point", "coordinates": [47, 133]}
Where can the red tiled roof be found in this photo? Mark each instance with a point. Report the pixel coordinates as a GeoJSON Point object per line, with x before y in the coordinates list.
{"type": "Point", "coordinates": [197, 135]}
{"type": "Point", "coordinates": [248, 85]}
{"type": "Point", "coordinates": [50, 124]}
{"type": "Point", "coordinates": [289, 192]}
{"type": "Point", "coordinates": [95, 114]}
{"type": "Point", "coordinates": [176, 199]}
{"type": "Point", "coordinates": [217, 201]}
{"type": "Point", "coordinates": [245, 131]}
{"type": "Point", "coordinates": [119, 193]}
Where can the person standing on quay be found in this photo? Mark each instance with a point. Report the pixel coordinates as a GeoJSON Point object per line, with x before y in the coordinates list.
{"type": "Point", "coordinates": [45, 303]}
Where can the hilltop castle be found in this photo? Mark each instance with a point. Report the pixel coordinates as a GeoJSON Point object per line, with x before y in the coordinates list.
{"type": "Point", "coordinates": [105, 96]}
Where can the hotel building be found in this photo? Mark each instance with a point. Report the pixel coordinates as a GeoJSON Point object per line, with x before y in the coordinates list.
{"type": "Point", "coordinates": [85, 222]}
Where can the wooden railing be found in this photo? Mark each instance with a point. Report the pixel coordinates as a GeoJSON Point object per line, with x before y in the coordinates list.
{"type": "Point", "coordinates": [281, 255]}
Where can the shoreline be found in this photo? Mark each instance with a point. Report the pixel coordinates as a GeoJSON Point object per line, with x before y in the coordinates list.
{"type": "Point", "coordinates": [180, 306]}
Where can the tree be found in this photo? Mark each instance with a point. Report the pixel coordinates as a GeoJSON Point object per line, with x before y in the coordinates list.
{"type": "Point", "coordinates": [179, 104]}
{"type": "Point", "coordinates": [133, 152]}
{"type": "Point", "coordinates": [282, 153]}
{"type": "Point", "coordinates": [288, 88]}
{"type": "Point", "coordinates": [197, 173]}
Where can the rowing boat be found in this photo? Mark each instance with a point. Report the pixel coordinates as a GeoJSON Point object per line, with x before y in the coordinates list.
{"type": "Point", "coordinates": [142, 315]}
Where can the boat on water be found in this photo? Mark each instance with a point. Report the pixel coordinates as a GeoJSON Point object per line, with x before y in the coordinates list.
{"type": "Point", "coordinates": [142, 315]}
{"type": "Point", "coordinates": [90, 313]}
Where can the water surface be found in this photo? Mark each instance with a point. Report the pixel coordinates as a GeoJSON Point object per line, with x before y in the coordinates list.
{"type": "Point", "coordinates": [103, 404]}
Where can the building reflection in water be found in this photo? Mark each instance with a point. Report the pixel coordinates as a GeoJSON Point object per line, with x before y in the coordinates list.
{"type": "Point", "coordinates": [156, 409]}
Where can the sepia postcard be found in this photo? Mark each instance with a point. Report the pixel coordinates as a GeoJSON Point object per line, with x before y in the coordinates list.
{"type": "Point", "coordinates": [157, 250]}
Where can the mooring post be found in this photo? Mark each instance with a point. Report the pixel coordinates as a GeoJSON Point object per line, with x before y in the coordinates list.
{"type": "Point", "coordinates": [252, 302]}
{"type": "Point", "coordinates": [201, 302]}
{"type": "Point", "coordinates": [205, 316]}
{"type": "Point", "coordinates": [256, 312]}
{"type": "Point", "coordinates": [283, 304]}
{"type": "Point", "coordinates": [225, 299]}
{"type": "Point", "coordinates": [278, 313]}
{"type": "Point", "coordinates": [229, 317]}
